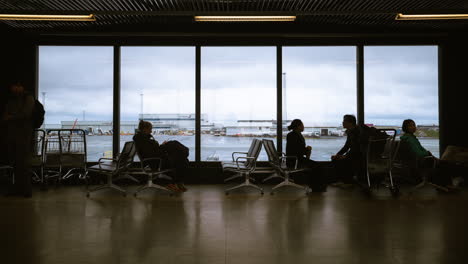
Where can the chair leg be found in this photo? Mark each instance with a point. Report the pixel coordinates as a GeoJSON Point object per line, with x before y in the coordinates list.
{"type": "Point", "coordinates": [151, 185]}
{"type": "Point", "coordinates": [272, 177]}
{"type": "Point", "coordinates": [108, 185]}
{"type": "Point", "coordinates": [288, 182]}
{"type": "Point", "coordinates": [128, 177]}
{"type": "Point", "coordinates": [238, 175]}
{"type": "Point", "coordinates": [246, 183]}
{"type": "Point", "coordinates": [426, 182]}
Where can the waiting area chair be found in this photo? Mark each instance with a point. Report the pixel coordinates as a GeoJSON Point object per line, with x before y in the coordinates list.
{"type": "Point", "coordinates": [113, 168]}
{"type": "Point", "coordinates": [380, 157]}
{"type": "Point", "coordinates": [278, 162]}
{"type": "Point", "coordinates": [152, 173]}
{"type": "Point", "coordinates": [244, 166]}
{"type": "Point", "coordinates": [243, 161]}
{"type": "Point", "coordinates": [407, 165]}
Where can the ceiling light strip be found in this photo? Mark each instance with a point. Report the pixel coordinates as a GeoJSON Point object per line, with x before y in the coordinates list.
{"type": "Point", "coordinates": [430, 16]}
{"type": "Point", "coordinates": [243, 18]}
{"type": "Point", "coordinates": [90, 17]}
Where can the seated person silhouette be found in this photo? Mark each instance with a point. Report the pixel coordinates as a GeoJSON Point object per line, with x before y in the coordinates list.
{"type": "Point", "coordinates": [296, 146]}
{"type": "Point", "coordinates": [420, 158]}
{"type": "Point", "coordinates": [348, 162]}
{"type": "Point", "coordinates": [148, 147]}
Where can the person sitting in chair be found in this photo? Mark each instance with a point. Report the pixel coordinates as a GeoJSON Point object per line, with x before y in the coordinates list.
{"type": "Point", "coordinates": [296, 147]}
{"type": "Point", "coordinates": [349, 160]}
{"type": "Point", "coordinates": [421, 156]}
{"type": "Point", "coordinates": [148, 147]}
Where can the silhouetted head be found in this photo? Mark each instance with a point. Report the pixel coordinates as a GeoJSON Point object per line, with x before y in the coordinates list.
{"type": "Point", "coordinates": [145, 127]}
{"type": "Point", "coordinates": [349, 121]}
{"type": "Point", "coordinates": [16, 88]}
{"type": "Point", "coordinates": [296, 124]}
{"type": "Point", "coordinates": [408, 126]}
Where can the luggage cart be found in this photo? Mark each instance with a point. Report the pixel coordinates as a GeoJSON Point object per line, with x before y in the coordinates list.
{"type": "Point", "coordinates": [73, 153]}
{"type": "Point", "coordinates": [37, 158]}
{"type": "Point", "coordinates": [65, 151]}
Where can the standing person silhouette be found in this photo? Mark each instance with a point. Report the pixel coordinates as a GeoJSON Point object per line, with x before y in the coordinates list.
{"type": "Point", "coordinates": [19, 128]}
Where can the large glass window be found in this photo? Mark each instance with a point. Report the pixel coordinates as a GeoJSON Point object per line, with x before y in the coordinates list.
{"type": "Point", "coordinates": [401, 82]}
{"type": "Point", "coordinates": [238, 99]}
{"type": "Point", "coordinates": [319, 87]}
{"type": "Point", "coordinates": [75, 86]}
{"type": "Point", "coordinates": [158, 85]}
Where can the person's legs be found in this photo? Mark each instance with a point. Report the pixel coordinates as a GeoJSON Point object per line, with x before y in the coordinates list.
{"type": "Point", "coordinates": [317, 178]}
{"type": "Point", "coordinates": [344, 170]}
{"type": "Point", "coordinates": [22, 164]}
{"type": "Point", "coordinates": [443, 173]}
{"type": "Point", "coordinates": [178, 175]}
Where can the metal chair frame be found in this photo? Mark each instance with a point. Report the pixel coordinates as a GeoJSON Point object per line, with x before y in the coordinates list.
{"type": "Point", "coordinates": [245, 166]}
{"type": "Point", "coordinates": [400, 164]}
{"type": "Point", "coordinates": [382, 162]}
{"type": "Point", "coordinates": [114, 168]}
{"type": "Point", "coordinates": [152, 174]}
{"type": "Point", "coordinates": [278, 162]}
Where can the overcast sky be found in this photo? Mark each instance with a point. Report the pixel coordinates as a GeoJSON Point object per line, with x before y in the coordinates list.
{"type": "Point", "coordinates": [240, 83]}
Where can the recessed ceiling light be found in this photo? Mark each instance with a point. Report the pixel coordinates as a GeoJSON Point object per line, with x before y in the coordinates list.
{"type": "Point", "coordinates": [431, 16]}
{"type": "Point", "coordinates": [90, 17]}
{"type": "Point", "coordinates": [243, 18]}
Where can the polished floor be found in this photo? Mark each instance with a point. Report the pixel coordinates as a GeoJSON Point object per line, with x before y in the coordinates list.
{"type": "Point", "coordinates": [206, 226]}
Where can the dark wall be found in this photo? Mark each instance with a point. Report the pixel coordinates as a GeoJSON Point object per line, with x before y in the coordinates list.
{"type": "Point", "coordinates": [453, 93]}
{"type": "Point", "coordinates": [18, 61]}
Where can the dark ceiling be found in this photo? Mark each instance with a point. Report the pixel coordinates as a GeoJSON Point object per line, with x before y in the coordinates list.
{"type": "Point", "coordinates": [177, 15]}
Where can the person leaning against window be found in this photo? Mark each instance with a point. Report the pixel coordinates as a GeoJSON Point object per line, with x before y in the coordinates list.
{"type": "Point", "coordinates": [148, 147]}
{"type": "Point", "coordinates": [422, 156]}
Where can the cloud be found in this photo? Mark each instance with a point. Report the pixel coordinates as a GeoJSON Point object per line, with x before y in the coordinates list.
{"type": "Point", "coordinates": [240, 82]}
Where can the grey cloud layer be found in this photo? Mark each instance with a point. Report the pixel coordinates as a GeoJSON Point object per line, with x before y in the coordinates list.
{"type": "Point", "coordinates": [240, 82]}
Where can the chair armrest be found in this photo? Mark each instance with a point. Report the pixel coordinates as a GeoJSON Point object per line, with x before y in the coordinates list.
{"type": "Point", "coordinates": [285, 158]}
{"type": "Point", "coordinates": [233, 155]}
{"type": "Point", "coordinates": [247, 158]}
{"type": "Point", "coordinates": [142, 162]}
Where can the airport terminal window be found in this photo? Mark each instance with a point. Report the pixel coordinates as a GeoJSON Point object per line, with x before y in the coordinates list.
{"type": "Point", "coordinates": [158, 85]}
{"type": "Point", "coordinates": [319, 87]}
{"type": "Point", "coordinates": [401, 82]}
{"type": "Point", "coordinates": [75, 86]}
{"type": "Point", "coordinates": [238, 99]}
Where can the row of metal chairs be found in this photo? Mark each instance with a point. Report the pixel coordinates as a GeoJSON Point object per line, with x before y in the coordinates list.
{"type": "Point", "coordinates": [387, 154]}
{"type": "Point", "coordinates": [244, 164]}
{"type": "Point", "coordinates": [383, 155]}
{"type": "Point", "coordinates": [64, 150]}
{"type": "Point", "coordinates": [121, 168]}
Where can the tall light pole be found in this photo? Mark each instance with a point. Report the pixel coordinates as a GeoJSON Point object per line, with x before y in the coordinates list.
{"type": "Point", "coordinates": [44, 104]}
{"type": "Point", "coordinates": [141, 106]}
{"type": "Point", "coordinates": [84, 115]}
{"type": "Point", "coordinates": [285, 108]}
